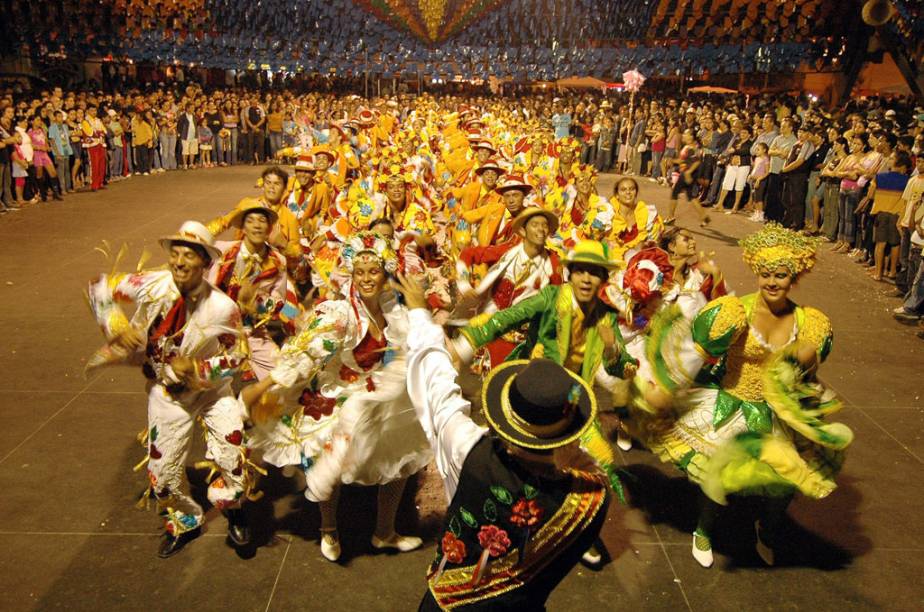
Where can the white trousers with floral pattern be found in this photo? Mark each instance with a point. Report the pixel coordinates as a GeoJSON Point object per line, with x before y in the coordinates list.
{"type": "Point", "coordinates": [170, 430]}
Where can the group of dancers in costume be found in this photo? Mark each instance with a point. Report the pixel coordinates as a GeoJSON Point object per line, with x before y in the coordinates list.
{"type": "Point", "coordinates": [325, 338]}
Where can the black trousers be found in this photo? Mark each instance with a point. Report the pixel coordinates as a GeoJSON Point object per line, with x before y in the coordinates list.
{"type": "Point", "coordinates": [793, 190]}
{"type": "Point", "coordinates": [773, 204]}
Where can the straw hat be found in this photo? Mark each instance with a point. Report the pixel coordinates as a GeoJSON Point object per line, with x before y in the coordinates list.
{"type": "Point", "coordinates": [193, 233]}
{"type": "Point", "coordinates": [531, 211]}
{"type": "Point", "coordinates": [253, 206]}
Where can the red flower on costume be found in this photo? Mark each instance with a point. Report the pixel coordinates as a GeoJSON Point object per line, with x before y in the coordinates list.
{"type": "Point", "coordinates": [235, 437]}
{"type": "Point", "coordinates": [494, 540]}
{"type": "Point", "coordinates": [453, 548]}
{"type": "Point", "coordinates": [526, 513]}
{"type": "Point", "coordinates": [316, 405]}
{"type": "Point", "coordinates": [369, 241]}
{"type": "Point", "coordinates": [348, 375]}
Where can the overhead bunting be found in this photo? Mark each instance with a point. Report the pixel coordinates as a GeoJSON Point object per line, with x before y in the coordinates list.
{"type": "Point", "coordinates": [524, 40]}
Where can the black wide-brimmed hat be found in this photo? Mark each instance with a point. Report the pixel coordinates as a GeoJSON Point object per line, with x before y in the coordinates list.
{"type": "Point", "coordinates": [537, 403]}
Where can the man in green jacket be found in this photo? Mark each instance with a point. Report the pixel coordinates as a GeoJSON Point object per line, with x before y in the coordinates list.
{"type": "Point", "coordinates": [572, 326]}
{"type": "Point", "coordinates": [568, 323]}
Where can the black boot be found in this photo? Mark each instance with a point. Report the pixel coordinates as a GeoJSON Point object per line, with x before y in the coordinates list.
{"type": "Point", "coordinates": [171, 545]}
{"type": "Point", "coordinates": [238, 527]}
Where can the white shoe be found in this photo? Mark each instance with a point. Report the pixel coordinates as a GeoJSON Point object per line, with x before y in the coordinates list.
{"type": "Point", "coordinates": [330, 546]}
{"type": "Point", "coordinates": [592, 556]}
{"type": "Point", "coordinates": [400, 542]}
{"type": "Point", "coordinates": [703, 557]}
{"type": "Point", "coordinates": [763, 551]}
{"type": "Point", "coordinates": [623, 440]}
{"type": "Point", "coordinates": [147, 174]}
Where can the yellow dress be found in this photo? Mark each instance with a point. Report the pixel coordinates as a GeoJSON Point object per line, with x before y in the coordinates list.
{"type": "Point", "coordinates": [747, 419]}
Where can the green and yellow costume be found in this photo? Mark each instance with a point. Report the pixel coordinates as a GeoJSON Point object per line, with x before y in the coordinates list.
{"type": "Point", "coordinates": [748, 420]}
{"type": "Point", "coordinates": [555, 331]}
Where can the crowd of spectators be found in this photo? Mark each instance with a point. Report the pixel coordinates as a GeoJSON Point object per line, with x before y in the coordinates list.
{"type": "Point", "coordinates": [851, 175]}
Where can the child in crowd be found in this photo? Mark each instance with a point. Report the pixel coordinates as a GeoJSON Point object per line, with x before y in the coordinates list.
{"type": "Point", "coordinates": [758, 181]}
{"type": "Point", "coordinates": [886, 194]}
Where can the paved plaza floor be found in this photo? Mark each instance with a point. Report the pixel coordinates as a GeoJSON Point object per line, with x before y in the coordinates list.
{"type": "Point", "coordinates": [72, 539]}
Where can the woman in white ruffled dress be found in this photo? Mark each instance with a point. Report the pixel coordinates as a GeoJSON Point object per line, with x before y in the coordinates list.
{"type": "Point", "coordinates": [337, 403]}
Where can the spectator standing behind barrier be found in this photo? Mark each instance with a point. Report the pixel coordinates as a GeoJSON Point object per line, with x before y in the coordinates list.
{"type": "Point", "coordinates": [274, 127]}
{"type": "Point", "coordinates": [215, 123]}
{"type": "Point", "coordinates": [779, 153]}
{"type": "Point", "coordinates": [187, 129]}
{"type": "Point", "coordinates": [794, 180]}
{"type": "Point", "coordinates": [230, 121]}
{"type": "Point", "coordinates": [886, 193]}
{"type": "Point", "coordinates": [59, 138]}
{"type": "Point", "coordinates": [912, 213]}
{"type": "Point", "coordinates": [46, 177]}
{"type": "Point", "coordinates": [94, 141]}
{"type": "Point", "coordinates": [831, 185]}
{"type": "Point", "coordinates": [142, 139]}
{"type": "Point", "coordinates": [816, 189]}
{"type": "Point", "coordinates": [606, 138]}
{"type": "Point", "coordinates": [737, 169]}
{"type": "Point", "coordinates": [7, 143]}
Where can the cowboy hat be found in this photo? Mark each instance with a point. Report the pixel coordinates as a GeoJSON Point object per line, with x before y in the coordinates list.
{"type": "Point", "coordinates": [193, 233]}
{"type": "Point", "coordinates": [513, 181]}
{"type": "Point", "coordinates": [537, 404]}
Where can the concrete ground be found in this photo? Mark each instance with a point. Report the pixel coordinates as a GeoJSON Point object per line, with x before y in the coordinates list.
{"type": "Point", "coordinates": [72, 539]}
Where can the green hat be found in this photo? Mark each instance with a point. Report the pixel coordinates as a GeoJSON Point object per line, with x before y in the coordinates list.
{"type": "Point", "coordinates": [591, 252]}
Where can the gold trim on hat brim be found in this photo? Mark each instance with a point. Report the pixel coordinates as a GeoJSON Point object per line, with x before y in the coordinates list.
{"type": "Point", "coordinates": [530, 440]}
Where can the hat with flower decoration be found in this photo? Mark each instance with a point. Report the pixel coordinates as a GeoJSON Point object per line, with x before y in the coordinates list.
{"type": "Point", "coordinates": [394, 171]}
{"type": "Point", "coordinates": [324, 150]}
{"type": "Point", "coordinates": [647, 275]}
{"type": "Point", "coordinates": [774, 246]}
{"type": "Point", "coordinates": [365, 118]}
{"type": "Point", "coordinates": [485, 143]}
{"type": "Point", "coordinates": [368, 244]}
{"type": "Point", "coordinates": [586, 171]}
{"type": "Point", "coordinates": [568, 142]}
